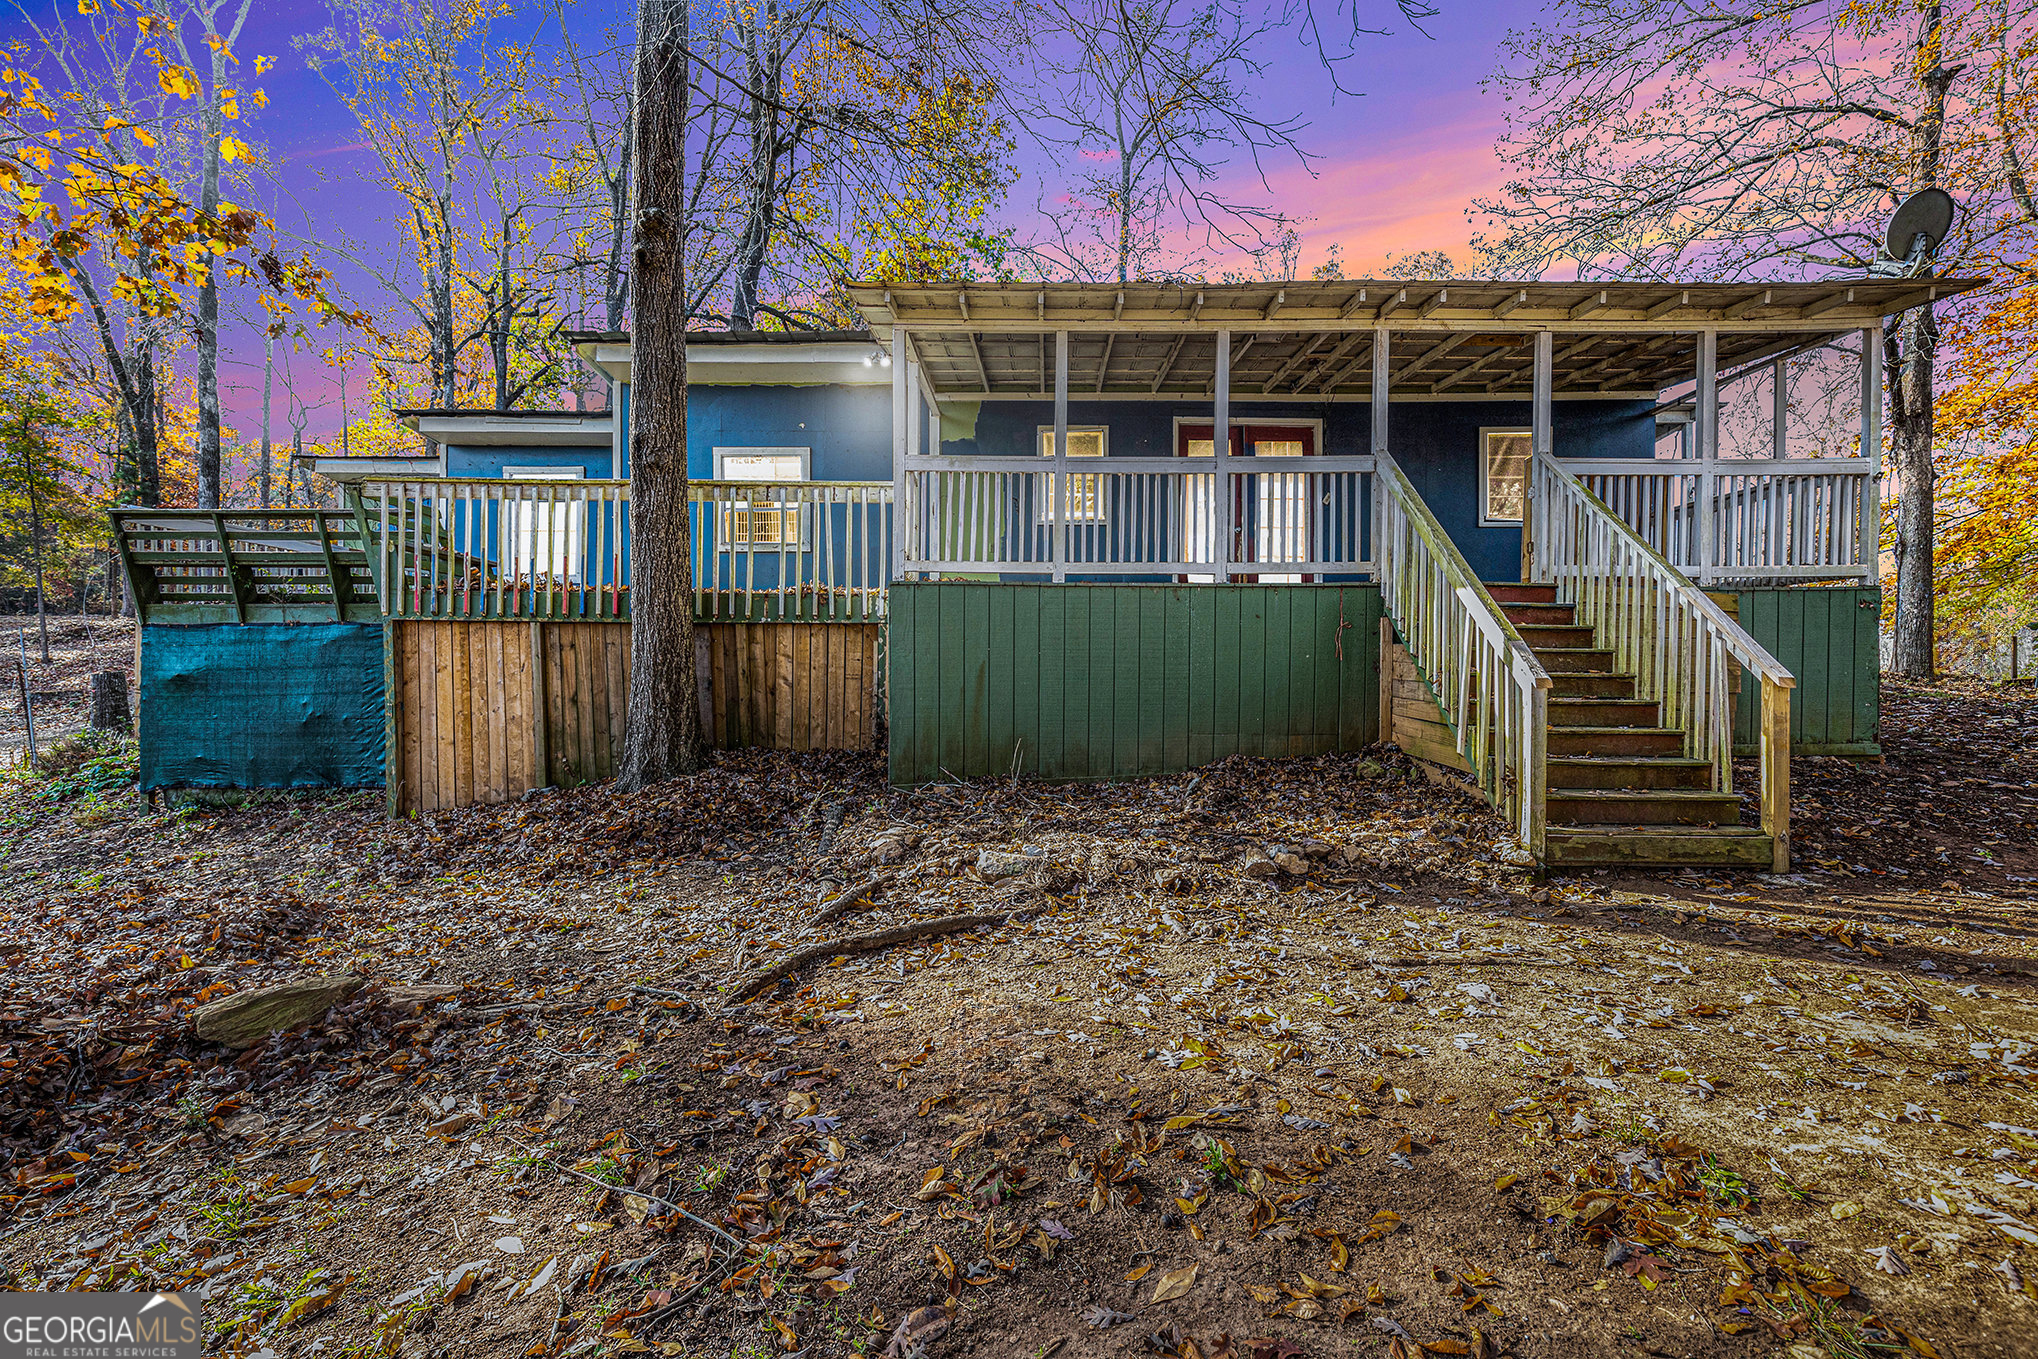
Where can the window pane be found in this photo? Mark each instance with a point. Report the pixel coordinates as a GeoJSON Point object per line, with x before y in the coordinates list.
{"type": "Point", "coordinates": [1202, 448]}
{"type": "Point", "coordinates": [1083, 443]}
{"type": "Point", "coordinates": [1277, 448]}
{"type": "Point", "coordinates": [1507, 458]}
{"type": "Point", "coordinates": [761, 467]}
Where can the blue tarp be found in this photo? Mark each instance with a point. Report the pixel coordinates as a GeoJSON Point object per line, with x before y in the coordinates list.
{"type": "Point", "coordinates": [262, 706]}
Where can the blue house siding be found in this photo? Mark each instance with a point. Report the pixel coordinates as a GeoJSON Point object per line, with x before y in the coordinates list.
{"type": "Point", "coordinates": [467, 461]}
{"type": "Point", "coordinates": [849, 429]}
{"type": "Point", "coordinates": [1436, 442]}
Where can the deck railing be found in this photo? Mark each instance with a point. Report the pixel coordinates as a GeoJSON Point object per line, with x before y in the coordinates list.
{"type": "Point", "coordinates": [487, 547]}
{"type": "Point", "coordinates": [1483, 674]}
{"type": "Point", "coordinates": [1274, 518]}
{"type": "Point", "coordinates": [244, 566]}
{"type": "Point", "coordinates": [1757, 521]}
{"type": "Point", "coordinates": [1662, 630]}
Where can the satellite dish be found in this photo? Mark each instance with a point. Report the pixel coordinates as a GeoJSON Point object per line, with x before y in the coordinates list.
{"type": "Point", "coordinates": [1918, 225]}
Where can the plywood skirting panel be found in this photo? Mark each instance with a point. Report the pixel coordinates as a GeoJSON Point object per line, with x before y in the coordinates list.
{"type": "Point", "coordinates": [1094, 681]}
{"type": "Point", "coordinates": [468, 698]}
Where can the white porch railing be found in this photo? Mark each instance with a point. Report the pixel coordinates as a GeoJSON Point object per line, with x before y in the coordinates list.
{"type": "Point", "coordinates": [1756, 521]}
{"type": "Point", "coordinates": [1488, 682]}
{"type": "Point", "coordinates": [1276, 517]}
{"type": "Point", "coordinates": [1662, 630]}
{"type": "Point", "coordinates": [487, 547]}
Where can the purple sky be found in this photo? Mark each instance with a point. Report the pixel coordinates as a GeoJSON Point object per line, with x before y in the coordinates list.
{"type": "Point", "coordinates": [1398, 165]}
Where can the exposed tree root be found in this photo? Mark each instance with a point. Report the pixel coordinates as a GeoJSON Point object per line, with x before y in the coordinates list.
{"type": "Point", "coordinates": [863, 943]}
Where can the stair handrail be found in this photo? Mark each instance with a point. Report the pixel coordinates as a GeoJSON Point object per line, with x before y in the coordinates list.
{"type": "Point", "coordinates": [1491, 686]}
{"type": "Point", "coordinates": [1662, 629]}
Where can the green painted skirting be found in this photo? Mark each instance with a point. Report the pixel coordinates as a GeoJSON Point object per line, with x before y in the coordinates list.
{"type": "Point", "coordinates": [1113, 681]}
{"type": "Point", "coordinates": [1827, 637]}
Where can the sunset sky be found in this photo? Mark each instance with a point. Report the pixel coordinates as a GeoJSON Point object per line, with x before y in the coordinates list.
{"type": "Point", "coordinates": [1398, 165]}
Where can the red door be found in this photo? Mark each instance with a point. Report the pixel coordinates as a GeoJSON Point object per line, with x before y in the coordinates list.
{"type": "Point", "coordinates": [1269, 519]}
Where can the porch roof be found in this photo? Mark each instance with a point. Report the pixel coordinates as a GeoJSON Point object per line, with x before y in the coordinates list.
{"type": "Point", "coordinates": [1310, 339]}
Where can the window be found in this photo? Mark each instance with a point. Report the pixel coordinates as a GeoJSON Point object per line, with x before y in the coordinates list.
{"type": "Point", "coordinates": [1086, 490]}
{"type": "Point", "coordinates": [540, 536]}
{"type": "Point", "coordinates": [1504, 463]}
{"type": "Point", "coordinates": [767, 523]}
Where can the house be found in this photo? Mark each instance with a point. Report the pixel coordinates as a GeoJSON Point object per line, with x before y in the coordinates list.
{"type": "Point", "coordinates": [1491, 522]}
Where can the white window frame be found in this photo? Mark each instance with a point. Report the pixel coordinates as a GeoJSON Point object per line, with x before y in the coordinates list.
{"type": "Point", "coordinates": [727, 536]}
{"type": "Point", "coordinates": [520, 539]}
{"type": "Point", "coordinates": [1486, 433]}
{"type": "Point", "coordinates": [1088, 488]}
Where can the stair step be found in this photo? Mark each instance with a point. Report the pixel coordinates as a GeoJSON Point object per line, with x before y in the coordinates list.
{"type": "Point", "coordinates": [1654, 807]}
{"type": "Point", "coordinates": [1605, 712]}
{"type": "Point", "coordinates": [1615, 742]}
{"type": "Point", "coordinates": [1658, 847]}
{"type": "Point", "coordinates": [1573, 660]}
{"type": "Point", "coordinates": [1586, 684]}
{"type": "Point", "coordinates": [1564, 635]}
{"type": "Point", "coordinates": [1628, 771]}
{"type": "Point", "coordinates": [1513, 592]}
{"type": "Point", "coordinates": [1544, 615]}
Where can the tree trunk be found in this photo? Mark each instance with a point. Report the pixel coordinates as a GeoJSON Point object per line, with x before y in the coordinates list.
{"type": "Point", "coordinates": [268, 386]}
{"type": "Point", "coordinates": [42, 622]}
{"type": "Point", "coordinates": [1910, 384]}
{"type": "Point", "coordinates": [1911, 437]}
{"type": "Point", "coordinates": [615, 279]}
{"type": "Point", "coordinates": [663, 737]}
{"type": "Point", "coordinates": [762, 69]}
{"type": "Point", "coordinates": [148, 459]}
{"type": "Point", "coordinates": [209, 487]}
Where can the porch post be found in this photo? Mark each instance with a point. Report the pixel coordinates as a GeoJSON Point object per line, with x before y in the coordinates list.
{"type": "Point", "coordinates": [1382, 354]}
{"type": "Point", "coordinates": [1780, 407]}
{"type": "Point", "coordinates": [1382, 380]}
{"type": "Point", "coordinates": [1542, 442]}
{"type": "Point", "coordinates": [902, 518]}
{"type": "Point", "coordinates": [1220, 459]}
{"type": "Point", "coordinates": [916, 412]}
{"type": "Point", "coordinates": [1061, 455]}
{"type": "Point", "coordinates": [1871, 449]}
{"type": "Point", "coordinates": [1707, 416]}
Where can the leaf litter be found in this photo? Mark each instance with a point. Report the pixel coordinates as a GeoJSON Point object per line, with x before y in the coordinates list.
{"type": "Point", "coordinates": [1173, 1095]}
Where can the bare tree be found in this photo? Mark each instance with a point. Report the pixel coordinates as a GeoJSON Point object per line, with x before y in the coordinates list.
{"type": "Point", "coordinates": [592, 95]}
{"type": "Point", "coordinates": [662, 736]}
{"type": "Point", "coordinates": [442, 107]}
{"type": "Point", "coordinates": [1165, 94]}
{"type": "Point", "coordinates": [218, 102]}
{"type": "Point", "coordinates": [1743, 139]}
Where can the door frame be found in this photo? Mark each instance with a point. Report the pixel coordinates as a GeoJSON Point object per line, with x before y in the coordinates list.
{"type": "Point", "coordinates": [1240, 427]}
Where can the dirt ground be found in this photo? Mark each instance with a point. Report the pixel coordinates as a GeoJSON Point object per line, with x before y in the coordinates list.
{"type": "Point", "coordinates": [58, 691]}
{"type": "Point", "coordinates": [1281, 1059]}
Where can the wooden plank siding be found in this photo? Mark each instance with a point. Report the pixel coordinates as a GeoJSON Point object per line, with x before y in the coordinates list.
{"type": "Point", "coordinates": [1828, 637]}
{"type": "Point", "coordinates": [1114, 681]}
{"type": "Point", "coordinates": [464, 725]}
{"type": "Point", "coordinates": [1417, 722]}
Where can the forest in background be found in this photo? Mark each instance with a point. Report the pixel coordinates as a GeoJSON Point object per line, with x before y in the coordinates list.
{"type": "Point", "coordinates": [152, 228]}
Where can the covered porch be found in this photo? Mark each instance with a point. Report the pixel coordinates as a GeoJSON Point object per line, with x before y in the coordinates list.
{"type": "Point", "coordinates": [1541, 481]}
{"type": "Point", "coordinates": [1002, 396]}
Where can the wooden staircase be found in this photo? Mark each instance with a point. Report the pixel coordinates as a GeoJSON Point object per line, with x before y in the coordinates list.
{"type": "Point", "coordinates": [1621, 789]}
